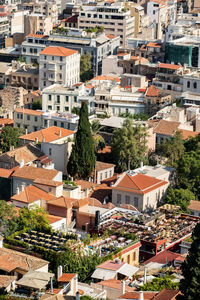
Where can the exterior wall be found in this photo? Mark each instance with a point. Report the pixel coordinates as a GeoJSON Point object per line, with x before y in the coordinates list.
{"type": "Point", "coordinates": [83, 220]}
{"type": "Point", "coordinates": [153, 12]}
{"type": "Point", "coordinates": [131, 255]}
{"type": "Point", "coordinates": [191, 84]}
{"type": "Point", "coordinates": [19, 204]}
{"type": "Point", "coordinates": [28, 121]}
{"type": "Point", "coordinates": [56, 210]}
{"type": "Point", "coordinates": [110, 65]}
{"type": "Point", "coordinates": [18, 182]}
{"type": "Point", "coordinates": [104, 174]}
{"type": "Point", "coordinates": [59, 153]}
{"type": "Point", "coordinates": [59, 225]}
{"type": "Point", "coordinates": [195, 212]}
{"type": "Point", "coordinates": [34, 23]}
{"type": "Point", "coordinates": [151, 139]}
{"type": "Point", "coordinates": [44, 268]}
{"type": "Point", "coordinates": [56, 191]}
{"type": "Point", "coordinates": [58, 69]}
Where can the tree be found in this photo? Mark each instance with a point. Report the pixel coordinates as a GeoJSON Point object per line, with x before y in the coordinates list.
{"type": "Point", "coordinates": [6, 215]}
{"type": "Point", "coordinates": [129, 146]}
{"type": "Point", "coordinates": [37, 104]}
{"type": "Point", "coordinates": [179, 197]}
{"type": "Point", "coordinates": [82, 159]}
{"type": "Point", "coordinates": [190, 284]}
{"type": "Point", "coordinates": [158, 284]}
{"type": "Point", "coordinates": [10, 137]}
{"type": "Point", "coordinates": [172, 149]}
{"type": "Point", "coordinates": [86, 72]}
{"type": "Point", "coordinates": [99, 142]}
{"type": "Point", "coordinates": [33, 218]}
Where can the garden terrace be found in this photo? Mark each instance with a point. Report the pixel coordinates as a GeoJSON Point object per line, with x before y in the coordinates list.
{"type": "Point", "coordinates": [165, 232]}
{"type": "Point", "coordinates": [53, 241]}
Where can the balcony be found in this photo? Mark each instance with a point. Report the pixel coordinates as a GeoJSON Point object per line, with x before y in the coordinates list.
{"type": "Point", "coordinates": [51, 67]}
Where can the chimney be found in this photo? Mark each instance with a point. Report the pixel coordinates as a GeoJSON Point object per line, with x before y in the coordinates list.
{"type": "Point", "coordinates": [26, 131]}
{"type": "Point", "coordinates": [141, 295]}
{"type": "Point", "coordinates": [60, 134]}
{"type": "Point", "coordinates": [141, 165]}
{"type": "Point", "coordinates": [17, 189]}
{"type": "Point", "coordinates": [21, 164]}
{"type": "Point", "coordinates": [1, 241]}
{"type": "Point", "coordinates": [77, 296]}
{"type": "Point", "coordinates": [123, 287]}
{"type": "Point", "coordinates": [36, 140]}
{"type": "Point", "coordinates": [59, 272]}
{"type": "Point", "coordinates": [22, 188]}
{"type": "Point", "coordinates": [43, 140]}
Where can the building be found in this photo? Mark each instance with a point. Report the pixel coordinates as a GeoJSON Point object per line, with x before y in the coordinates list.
{"type": "Point", "coordinates": [63, 120]}
{"type": "Point", "coordinates": [25, 175]}
{"type": "Point", "coordinates": [4, 25]}
{"type": "Point", "coordinates": [155, 99]}
{"type": "Point", "coordinates": [157, 11]}
{"type": "Point", "coordinates": [64, 99]}
{"type": "Point", "coordinates": [115, 19]}
{"type": "Point", "coordinates": [194, 208]}
{"type": "Point", "coordinates": [56, 143]}
{"type": "Point", "coordinates": [6, 122]}
{"type": "Point", "coordinates": [10, 97]}
{"type": "Point", "coordinates": [69, 22]}
{"type": "Point", "coordinates": [103, 171]}
{"type": "Point", "coordinates": [137, 11]}
{"type": "Point", "coordinates": [27, 153]}
{"type": "Point", "coordinates": [28, 119]}
{"type": "Point", "coordinates": [34, 23]}
{"type": "Point", "coordinates": [142, 191]}
{"type": "Point", "coordinates": [59, 65]}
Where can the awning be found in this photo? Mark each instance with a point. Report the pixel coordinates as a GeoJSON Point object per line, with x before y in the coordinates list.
{"type": "Point", "coordinates": [128, 270]}
{"type": "Point", "coordinates": [35, 279]}
{"type": "Point", "coordinates": [103, 274]}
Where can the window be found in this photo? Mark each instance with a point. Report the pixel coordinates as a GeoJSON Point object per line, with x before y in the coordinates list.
{"type": "Point", "coordinates": [110, 173]}
{"type": "Point", "coordinates": [58, 99]}
{"type": "Point", "coordinates": [28, 117]}
{"type": "Point", "coordinates": [50, 151]}
{"type": "Point", "coordinates": [66, 98]}
{"type": "Point", "coordinates": [134, 256]}
{"type": "Point", "coordinates": [35, 119]}
{"type": "Point", "coordinates": [21, 116]}
{"type": "Point", "coordinates": [188, 84]}
{"type": "Point", "coordinates": [57, 108]}
{"type": "Point", "coordinates": [50, 190]}
{"type": "Point", "coordinates": [62, 124]}
{"type": "Point", "coordinates": [45, 65]}
{"type": "Point", "coordinates": [61, 59]}
{"type": "Point", "coordinates": [154, 12]}
{"type": "Point", "coordinates": [119, 198]}
{"type": "Point", "coordinates": [49, 107]}
{"type": "Point", "coordinates": [66, 108]}
{"type": "Point", "coordinates": [18, 116]}
{"type": "Point", "coordinates": [52, 58]}
{"type": "Point", "coordinates": [45, 123]}
{"type": "Point", "coordinates": [44, 83]}
{"type": "Point", "coordinates": [60, 75]}
{"type": "Point", "coordinates": [101, 176]}
{"type": "Point", "coordinates": [106, 174]}
{"type": "Point", "coordinates": [60, 68]}
{"type": "Point", "coordinates": [128, 259]}
{"type": "Point", "coordinates": [35, 128]}
{"type": "Point", "coordinates": [45, 74]}
{"type": "Point", "coordinates": [195, 85]}
{"type": "Point", "coordinates": [75, 98]}
{"type": "Point", "coordinates": [45, 59]}
{"type": "Point", "coordinates": [55, 123]}
{"type": "Point", "coordinates": [49, 97]}
{"type": "Point", "coordinates": [127, 199]}
{"type": "Point", "coordinates": [136, 202]}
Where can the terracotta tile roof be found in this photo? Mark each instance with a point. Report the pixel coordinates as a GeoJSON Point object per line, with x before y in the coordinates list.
{"type": "Point", "coordinates": [163, 257]}
{"type": "Point", "coordinates": [128, 206]}
{"type": "Point", "coordinates": [169, 66]}
{"type": "Point", "coordinates": [153, 91]}
{"type": "Point", "coordinates": [139, 184]}
{"type": "Point", "coordinates": [37, 35]}
{"type": "Point", "coordinates": [29, 111]}
{"type": "Point", "coordinates": [135, 295]}
{"type": "Point", "coordinates": [122, 54]}
{"type": "Point", "coordinates": [5, 121]}
{"type": "Point", "coordinates": [10, 260]}
{"type": "Point", "coordinates": [58, 51]}
{"type": "Point", "coordinates": [52, 219]}
{"type": "Point", "coordinates": [85, 184]}
{"type": "Point", "coordinates": [5, 173]}
{"type": "Point", "coordinates": [71, 19]}
{"type": "Point", "coordinates": [31, 194]}
{"type": "Point", "coordinates": [106, 149]}
{"type": "Point", "coordinates": [68, 202]}
{"type": "Point", "coordinates": [154, 45]}
{"type": "Point", "coordinates": [111, 265]}
{"type": "Point", "coordinates": [94, 202]}
{"type": "Point", "coordinates": [166, 127]}
{"type": "Point", "coordinates": [66, 277]}
{"type": "Point", "coordinates": [114, 284]}
{"type": "Point", "coordinates": [33, 173]}
{"type": "Point", "coordinates": [5, 280]}
{"type": "Point", "coordinates": [103, 166]}
{"type": "Point", "coordinates": [167, 295]}
{"type": "Point", "coordinates": [194, 205]}
{"type": "Point", "coordinates": [101, 192]}
{"type": "Point", "coordinates": [111, 180]}
{"type": "Point", "coordinates": [43, 181]}
{"type": "Point", "coordinates": [43, 160]}
{"type": "Point", "coordinates": [50, 134]}
{"type": "Point", "coordinates": [36, 93]}
{"type": "Point", "coordinates": [27, 153]}
{"type": "Point", "coordinates": [104, 77]}
{"type": "Point", "coordinates": [188, 134]}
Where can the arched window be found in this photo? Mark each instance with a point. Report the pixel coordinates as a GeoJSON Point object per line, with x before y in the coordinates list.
{"type": "Point", "coordinates": [188, 84]}
{"type": "Point", "coordinates": [195, 85]}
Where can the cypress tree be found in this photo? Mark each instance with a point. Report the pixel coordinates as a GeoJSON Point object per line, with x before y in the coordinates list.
{"type": "Point", "coordinates": [190, 284]}
{"type": "Point", "coordinates": [82, 159]}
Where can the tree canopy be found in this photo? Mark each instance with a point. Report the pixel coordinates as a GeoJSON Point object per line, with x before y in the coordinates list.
{"type": "Point", "coordinates": [129, 146]}
{"type": "Point", "coordinates": [158, 284]}
{"type": "Point", "coordinates": [10, 137]}
{"type": "Point", "coordinates": [37, 104]}
{"type": "Point", "coordinates": [82, 159]}
{"type": "Point", "coordinates": [190, 284]}
{"type": "Point", "coordinates": [99, 142]}
{"type": "Point", "coordinates": [180, 197]}
{"type": "Point", "coordinates": [86, 72]}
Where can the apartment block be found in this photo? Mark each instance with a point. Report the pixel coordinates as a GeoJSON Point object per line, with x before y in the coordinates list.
{"type": "Point", "coordinates": [34, 23]}
{"type": "Point", "coordinates": [59, 65]}
{"type": "Point", "coordinates": [115, 19]}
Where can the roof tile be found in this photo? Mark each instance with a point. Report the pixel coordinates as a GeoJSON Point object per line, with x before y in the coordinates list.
{"type": "Point", "coordinates": [58, 51]}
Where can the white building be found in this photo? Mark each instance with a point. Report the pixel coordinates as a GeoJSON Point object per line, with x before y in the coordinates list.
{"type": "Point", "coordinates": [115, 19]}
{"type": "Point", "coordinates": [32, 47]}
{"type": "Point", "coordinates": [63, 99]}
{"type": "Point", "coordinates": [157, 11]}
{"type": "Point", "coordinates": [59, 65]}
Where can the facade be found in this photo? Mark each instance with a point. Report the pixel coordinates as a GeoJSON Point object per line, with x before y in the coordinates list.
{"type": "Point", "coordinates": [103, 171]}
{"type": "Point", "coordinates": [142, 191]}
{"type": "Point", "coordinates": [157, 11]}
{"type": "Point", "coordinates": [63, 99]}
{"type": "Point", "coordinates": [59, 65]}
{"type": "Point", "coordinates": [27, 119]}
{"type": "Point", "coordinates": [63, 120]}
{"type": "Point", "coordinates": [115, 19]}
{"type": "Point", "coordinates": [155, 99]}
{"type": "Point", "coordinates": [194, 208]}
{"type": "Point", "coordinates": [34, 23]}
